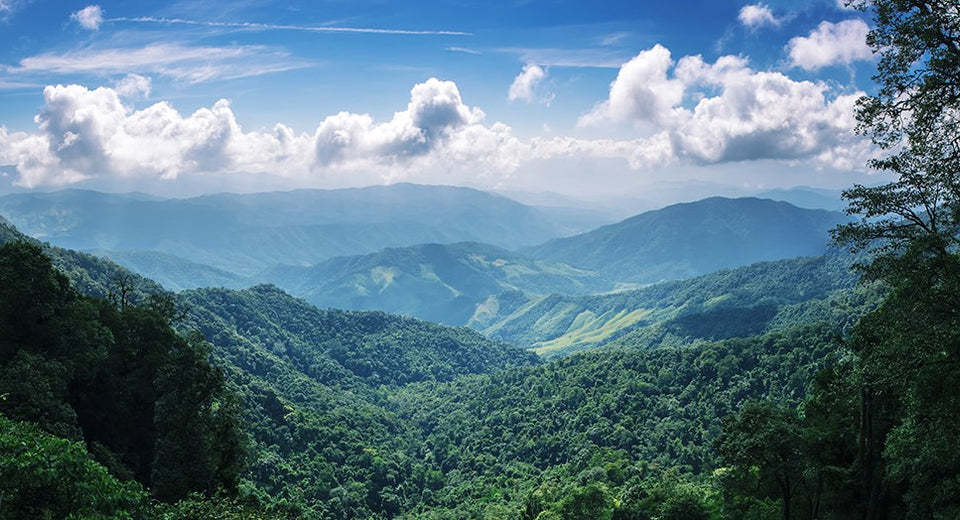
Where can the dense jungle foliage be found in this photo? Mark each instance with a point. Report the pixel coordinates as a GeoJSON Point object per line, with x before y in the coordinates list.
{"type": "Point", "coordinates": [118, 400]}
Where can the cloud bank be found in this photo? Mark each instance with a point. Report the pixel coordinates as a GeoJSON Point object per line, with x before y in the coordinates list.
{"type": "Point", "coordinates": [684, 111]}
{"type": "Point", "coordinates": [732, 113]}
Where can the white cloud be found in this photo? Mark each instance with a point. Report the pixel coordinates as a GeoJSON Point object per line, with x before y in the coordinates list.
{"type": "Point", "coordinates": [435, 111]}
{"type": "Point", "coordinates": [87, 134]}
{"type": "Point", "coordinates": [733, 113]}
{"type": "Point", "coordinates": [690, 111]}
{"type": "Point", "coordinates": [464, 50]}
{"type": "Point", "coordinates": [173, 60]}
{"type": "Point", "coordinates": [758, 15]}
{"type": "Point", "coordinates": [830, 44]}
{"type": "Point", "coordinates": [90, 17]}
{"type": "Point", "coordinates": [524, 86]}
{"type": "Point", "coordinates": [642, 92]}
{"type": "Point", "coordinates": [256, 26]}
{"type": "Point", "coordinates": [133, 85]}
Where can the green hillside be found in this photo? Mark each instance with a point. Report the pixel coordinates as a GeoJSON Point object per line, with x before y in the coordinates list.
{"type": "Point", "coordinates": [174, 273]}
{"type": "Point", "coordinates": [456, 284]}
{"type": "Point", "coordinates": [730, 303]}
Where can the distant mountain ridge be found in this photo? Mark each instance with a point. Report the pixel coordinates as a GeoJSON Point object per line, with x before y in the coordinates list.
{"type": "Point", "coordinates": [244, 234]}
{"type": "Point", "coordinates": [453, 283]}
{"type": "Point", "coordinates": [695, 238]}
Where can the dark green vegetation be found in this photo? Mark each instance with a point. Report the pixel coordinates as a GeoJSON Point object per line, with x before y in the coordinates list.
{"type": "Point", "coordinates": [456, 284]}
{"type": "Point", "coordinates": [695, 238]}
{"type": "Point", "coordinates": [145, 401]}
{"type": "Point", "coordinates": [779, 390]}
{"type": "Point", "coordinates": [244, 234]}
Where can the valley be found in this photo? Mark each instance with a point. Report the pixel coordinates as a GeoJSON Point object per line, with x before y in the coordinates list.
{"type": "Point", "coordinates": [356, 413]}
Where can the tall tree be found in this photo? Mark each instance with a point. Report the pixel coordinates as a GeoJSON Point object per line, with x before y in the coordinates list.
{"type": "Point", "coordinates": [909, 427]}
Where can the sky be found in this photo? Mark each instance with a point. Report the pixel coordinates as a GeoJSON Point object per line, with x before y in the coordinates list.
{"type": "Point", "coordinates": [581, 99]}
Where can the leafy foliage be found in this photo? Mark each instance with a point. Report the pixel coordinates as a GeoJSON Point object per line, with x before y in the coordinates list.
{"type": "Point", "coordinates": [88, 370]}
{"type": "Point", "coordinates": [44, 476]}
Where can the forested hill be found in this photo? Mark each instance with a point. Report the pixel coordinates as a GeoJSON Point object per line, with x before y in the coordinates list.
{"type": "Point", "coordinates": [376, 347]}
{"type": "Point", "coordinates": [448, 283]}
{"type": "Point", "coordinates": [690, 239]}
{"type": "Point", "coordinates": [729, 303]}
{"type": "Point", "coordinates": [89, 274]}
{"type": "Point", "coordinates": [319, 442]}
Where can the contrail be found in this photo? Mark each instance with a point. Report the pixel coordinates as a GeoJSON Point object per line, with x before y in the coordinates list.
{"type": "Point", "coordinates": [274, 27]}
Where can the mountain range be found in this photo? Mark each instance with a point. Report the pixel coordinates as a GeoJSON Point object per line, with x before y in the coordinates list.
{"type": "Point", "coordinates": [695, 238]}
{"type": "Point", "coordinates": [287, 239]}
{"type": "Point", "coordinates": [244, 234]}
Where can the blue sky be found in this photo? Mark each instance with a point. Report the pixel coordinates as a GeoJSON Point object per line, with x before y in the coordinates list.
{"type": "Point", "coordinates": [580, 98]}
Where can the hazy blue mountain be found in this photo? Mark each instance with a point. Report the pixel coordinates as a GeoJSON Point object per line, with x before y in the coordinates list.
{"type": "Point", "coordinates": [460, 283]}
{"type": "Point", "coordinates": [175, 273]}
{"type": "Point", "coordinates": [694, 238]}
{"type": "Point", "coordinates": [89, 274]}
{"type": "Point", "coordinates": [244, 234]}
{"type": "Point", "coordinates": [805, 197]}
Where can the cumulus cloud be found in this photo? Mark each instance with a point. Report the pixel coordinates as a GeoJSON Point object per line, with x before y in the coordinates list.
{"type": "Point", "coordinates": [642, 92]}
{"type": "Point", "coordinates": [688, 111]}
{"type": "Point", "coordinates": [524, 86]}
{"type": "Point", "coordinates": [756, 16]}
{"type": "Point", "coordinates": [733, 114]}
{"type": "Point", "coordinates": [434, 112]}
{"type": "Point", "coordinates": [89, 133]}
{"type": "Point", "coordinates": [133, 85]}
{"type": "Point", "coordinates": [90, 17]}
{"type": "Point", "coordinates": [85, 133]}
{"type": "Point", "coordinates": [830, 44]}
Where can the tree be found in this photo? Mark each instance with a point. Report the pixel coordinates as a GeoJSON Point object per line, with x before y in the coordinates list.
{"type": "Point", "coordinates": [760, 446]}
{"type": "Point", "coordinates": [42, 476]}
{"type": "Point", "coordinates": [915, 117]}
{"type": "Point", "coordinates": [909, 348]}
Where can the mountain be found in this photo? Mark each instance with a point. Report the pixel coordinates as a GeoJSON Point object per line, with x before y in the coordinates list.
{"type": "Point", "coordinates": [460, 283]}
{"type": "Point", "coordinates": [245, 234]}
{"type": "Point", "coordinates": [741, 302]}
{"type": "Point", "coordinates": [89, 274]}
{"type": "Point", "coordinates": [337, 346]}
{"type": "Point", "coordinates": [309, 384]}
{"type": "Point", "coordinates": [694, 238]}
{"type": "Point", "coordinates": [175, 273]}
{"type": "Point", "coordinates": [349, 414]}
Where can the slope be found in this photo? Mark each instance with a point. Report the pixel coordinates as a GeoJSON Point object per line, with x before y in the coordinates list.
{"type": "Point", "coordinates": [694, 238]}
{"type": "Point", "coordinates": [174, 273]}
{"type": "Point", "coordinates": [312, 383]}
{"type": "Point", "coordinates": [729, 303]}
{"type": "Point", "coordinates": [456, 284]}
